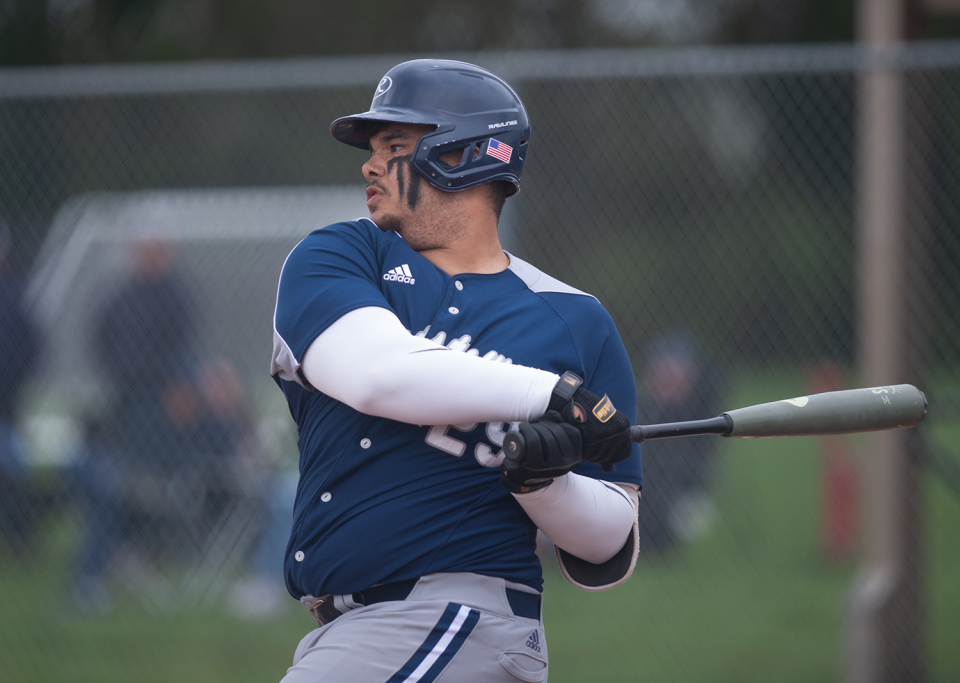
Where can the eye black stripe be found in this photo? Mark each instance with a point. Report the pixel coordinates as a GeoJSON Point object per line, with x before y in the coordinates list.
{"type": "Point", "coordinates": [413, 194]}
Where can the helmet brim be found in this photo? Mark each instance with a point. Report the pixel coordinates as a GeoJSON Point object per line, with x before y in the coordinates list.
{"type": "Point", "coordinates": [344, 129]}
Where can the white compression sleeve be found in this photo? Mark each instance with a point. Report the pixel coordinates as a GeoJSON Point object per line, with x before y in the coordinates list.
{"type": "Point", "coordinates": [586, 517]}
{"type": "Point", "coordinates": [368, 360]}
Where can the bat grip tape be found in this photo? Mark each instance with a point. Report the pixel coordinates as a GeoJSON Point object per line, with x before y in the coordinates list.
{"type": "Point", "coordinates": [722, 426]}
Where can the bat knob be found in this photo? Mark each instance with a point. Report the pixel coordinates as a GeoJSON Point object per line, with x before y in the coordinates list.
{"type": "Point", "coordinates": [514, 446]}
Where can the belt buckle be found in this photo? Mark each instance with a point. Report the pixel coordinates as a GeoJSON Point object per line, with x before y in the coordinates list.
{"type": "Point", "coordinates": [324, 610]}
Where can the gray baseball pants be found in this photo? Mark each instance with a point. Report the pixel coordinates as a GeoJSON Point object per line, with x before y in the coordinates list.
{"type": "Point", "coordinates": [451, 628]}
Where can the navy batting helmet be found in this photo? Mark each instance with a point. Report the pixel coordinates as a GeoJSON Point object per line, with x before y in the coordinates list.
{"type": "Point", "coordinates": [472, 109]}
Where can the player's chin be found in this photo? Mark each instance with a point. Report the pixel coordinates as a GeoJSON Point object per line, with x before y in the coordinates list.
{"type": "Point", "coordinates": [386, 221]}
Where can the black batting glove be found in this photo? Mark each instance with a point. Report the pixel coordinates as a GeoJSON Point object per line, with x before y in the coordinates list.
{"type": "Point", "coordinates": [552, 448]}
{"type": "Point", "coordinates": [605, 430]}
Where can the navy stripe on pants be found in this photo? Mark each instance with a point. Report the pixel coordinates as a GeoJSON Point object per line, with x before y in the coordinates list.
{"type": "Point", "coordinates": [445, 640]}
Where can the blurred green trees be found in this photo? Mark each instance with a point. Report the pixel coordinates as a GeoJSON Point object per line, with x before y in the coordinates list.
{"type": "Point", "coordinates": [93, 31]}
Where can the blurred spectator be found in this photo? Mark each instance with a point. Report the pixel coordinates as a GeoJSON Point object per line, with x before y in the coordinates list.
{"type": "Point", "coordinates": [142, 341]}
{"type": "Point", "coordinates": [677, 385]}
{"type": "Point", "coordinates": [98, 480]}
{"type": "Point", "coordinates": [18, 352]}
{"type": "Point", "coordinates": [174, 504]}
{"type": "Point", "coordinates": [143, 337]}
{"type": "Point", "coordinates": [219, 460]}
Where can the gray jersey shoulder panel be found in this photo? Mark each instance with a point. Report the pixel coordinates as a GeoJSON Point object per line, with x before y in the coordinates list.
{"type": "Point", "coordinates": [538, 281]}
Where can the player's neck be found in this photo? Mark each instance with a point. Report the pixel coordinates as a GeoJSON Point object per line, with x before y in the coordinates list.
{"type": "Point", "coordinates": [472, 245]}
{"type": "Point", "coordinates": [474, 253]}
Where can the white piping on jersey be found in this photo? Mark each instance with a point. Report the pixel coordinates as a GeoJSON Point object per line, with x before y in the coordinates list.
{"type": "Point", "coordinates": [538, 281]}
{"type": "Point", "coordinates": [282, 359]}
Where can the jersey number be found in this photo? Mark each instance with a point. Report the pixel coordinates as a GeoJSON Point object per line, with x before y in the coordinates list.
{"type": "Point", "coordinates": [437, 437]}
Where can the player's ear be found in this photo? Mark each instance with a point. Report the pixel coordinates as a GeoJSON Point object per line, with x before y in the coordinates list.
{"type": "Point", "coordinates": [453, 157]}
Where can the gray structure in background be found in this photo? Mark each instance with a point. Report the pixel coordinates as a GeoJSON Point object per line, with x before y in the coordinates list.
{"type": "Point", "coordinates": [886, 633]}
{"type": "Point", "coordinates": [230, 241]}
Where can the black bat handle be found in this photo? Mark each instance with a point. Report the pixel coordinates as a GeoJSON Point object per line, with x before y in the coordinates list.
{"type": "Point", "coordinates": [514, 446]}
{"type": "Point", "coordinates": [721, 425]}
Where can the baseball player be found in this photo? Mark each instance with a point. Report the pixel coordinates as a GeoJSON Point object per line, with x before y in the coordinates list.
{"type": "Point", "coordinates": [407, 345]}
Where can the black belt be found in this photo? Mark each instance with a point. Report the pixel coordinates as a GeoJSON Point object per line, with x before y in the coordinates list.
{"type": "Point", "coordinates": [523, 604]}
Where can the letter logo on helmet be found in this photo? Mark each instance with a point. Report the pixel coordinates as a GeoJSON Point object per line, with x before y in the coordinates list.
{"type": "Point", "coordinates": [383, 87]}
{"type": "Point", "coordinates": [463, 103]}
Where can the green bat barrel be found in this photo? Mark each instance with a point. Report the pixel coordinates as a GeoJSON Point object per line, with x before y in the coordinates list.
{"type": "Point", "coordinates": [835, 412]}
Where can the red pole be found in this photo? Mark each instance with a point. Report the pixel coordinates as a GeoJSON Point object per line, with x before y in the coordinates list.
{"type": "Point", "coordinates": [838, 475]}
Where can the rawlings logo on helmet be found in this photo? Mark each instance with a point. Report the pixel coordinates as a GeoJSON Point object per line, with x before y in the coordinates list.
{"type": "Point", "coordinates": [383, 86]}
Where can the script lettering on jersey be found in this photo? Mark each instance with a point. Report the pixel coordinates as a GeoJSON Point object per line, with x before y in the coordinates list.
{"type": "Point", "coordinates": [462, 344]}
{"type": "Point", "coordinates": [438, 436]}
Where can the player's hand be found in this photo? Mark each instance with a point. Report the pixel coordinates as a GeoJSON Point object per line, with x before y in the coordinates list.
{"type": "Point", "coordinates": [552, 448]}
{"type": "Point", "coordinates": [605, 430]}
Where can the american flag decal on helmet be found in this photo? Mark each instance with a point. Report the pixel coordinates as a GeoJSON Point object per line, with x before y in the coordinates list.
{"type": "Point", "coordinates": [499, 150]}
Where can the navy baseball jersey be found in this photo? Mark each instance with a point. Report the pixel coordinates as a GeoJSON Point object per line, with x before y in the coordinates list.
{"type": "Point", "coordinates": [380, 500]}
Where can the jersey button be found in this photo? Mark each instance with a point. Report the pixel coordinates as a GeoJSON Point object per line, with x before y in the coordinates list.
{"type": "Point", "coordinates": [458, 285]}
{"type": "Point", "coordinates": [365, 443]}
{"type": "Point", "coordinates": [326, 496]}
{"type": "Point", "coordinates": [453, 310]}
{"type": "Point", "coordinates": [298, 556]}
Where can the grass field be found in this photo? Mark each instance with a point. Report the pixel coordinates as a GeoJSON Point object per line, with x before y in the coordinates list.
{"type": "Point", "coordinates": [753, 600]}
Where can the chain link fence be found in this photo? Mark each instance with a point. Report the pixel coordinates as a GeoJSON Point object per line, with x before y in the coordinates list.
{"type": "Point", "coordinates": [707, 197]}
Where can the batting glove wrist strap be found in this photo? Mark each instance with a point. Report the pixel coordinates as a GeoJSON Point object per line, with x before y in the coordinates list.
{"type": "Point", "coordinates": [562, 397]}
{"type": "Point", "coordinates": [605, 430]}
{"type": "Point", "coordinates": [552, 447]}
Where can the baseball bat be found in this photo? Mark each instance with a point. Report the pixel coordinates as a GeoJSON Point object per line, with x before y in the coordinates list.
{"type": "Point", "coordinates": [833, 412]}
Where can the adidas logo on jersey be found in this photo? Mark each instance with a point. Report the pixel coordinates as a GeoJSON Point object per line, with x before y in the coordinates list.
{"type": "Point", "coordinates": [400, 274]}
{"type": "Point", "coordinates": [533, 642]}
